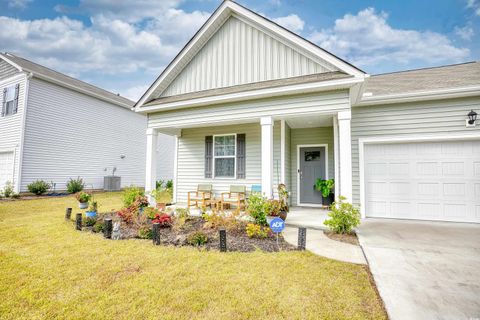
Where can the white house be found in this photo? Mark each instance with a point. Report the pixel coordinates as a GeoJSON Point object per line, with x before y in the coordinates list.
{"type": "Point", "coordinates": [54, 127]}
{"type": "Point", "coordinates": [250, 102]}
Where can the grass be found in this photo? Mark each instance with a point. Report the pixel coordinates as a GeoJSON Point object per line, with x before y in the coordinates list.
{"type": "Point", "coordinates": [50, 271]}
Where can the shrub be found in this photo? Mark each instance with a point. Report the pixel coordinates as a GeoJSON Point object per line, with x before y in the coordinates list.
{"type": "Point", "coordinates": [256, 231]}
{"type": "Point", "coordinates": [197, 238]}
{"type": "Point", "coordinates": [75, 185]}
{"type": "Point", "coordinates": [15, 196]}
{"type": "Point", "coordinates": [90, 222]}
{"type": "Point", "coordinates": [8, 189]}
{"type": "Point", "coordinates": [130, 194]}
{"type": "Point", "coordinates": [145, 233]}
{"type": "Point", "coordinates": [150, 212]}
{"type": "Point", "coordinates": [325, 186]}
{"type": "Point", "coordinates": [256, 209]}
{"type": "Point", "coordinates": [38, 187]}
{"type": "Point", "coordinates": [83, 197]}
{"type": "Point", "coordinates": [163, 219]}
{"type": "Point", "coordinates": [182, 213]}
{"type": "Point", "coordinates": [343, 217]}
{"type": "Point", "coordinates": [127, 215]}
{"type": "Point", "coordinates": [218, 220]}
{"type": "Point", "coordinates": [272, 207]}
{"type": "Point", "coordinates": [98, 227]}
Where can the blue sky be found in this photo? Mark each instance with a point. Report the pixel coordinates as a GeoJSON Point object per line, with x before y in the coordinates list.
{"type": "Point", "coordinates": [123, 45]}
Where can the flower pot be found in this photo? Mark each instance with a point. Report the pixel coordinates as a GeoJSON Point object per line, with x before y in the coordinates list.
{"type": "Point", "coordinates": [283, 215]}
{"type": "Point", "coordinates": [327, 201]}
{"type": "Point", "coordinates": [91, 214]}
{"type": "Point", "coordinates": [83, 205]}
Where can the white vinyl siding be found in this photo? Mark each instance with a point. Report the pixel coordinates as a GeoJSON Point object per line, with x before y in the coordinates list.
{"type": "Point", "coordinates": [320, 135]}
{"type": "Point", "coordinates": [11, 126]}
{"type": "Point", "coordinates": [250, 111]}
{"type": "Point", "coordinates": [6, 168]}
{"type": "Point", "coordinates": [407, 120]}
{"type": "Point", "coordinates": [7, 70]}
{"type": "Point", "coordinates": [69, 134]}
{"type": "Point", "coordinates": [239, 53]}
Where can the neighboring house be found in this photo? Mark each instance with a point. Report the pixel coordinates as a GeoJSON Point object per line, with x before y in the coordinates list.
{"type": "Point", "coordinates": [250, 102]}
{"type": "Point", "coordinates": [54, 127]}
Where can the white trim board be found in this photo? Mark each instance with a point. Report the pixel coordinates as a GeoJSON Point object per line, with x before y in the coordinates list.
{"type": "Point", "coordinates": [323, 145]}
{"type": "Point", "coordinates": [400, 139]}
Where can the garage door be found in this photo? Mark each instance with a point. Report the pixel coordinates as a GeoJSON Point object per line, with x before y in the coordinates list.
{"type": "Point", "coordinates": [424, 180]}
{"type": "Point", "coordinates": [6, 168]}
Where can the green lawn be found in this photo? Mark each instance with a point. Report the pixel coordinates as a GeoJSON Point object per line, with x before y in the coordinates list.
{"type": "Point", "coordinates": [50, 271]}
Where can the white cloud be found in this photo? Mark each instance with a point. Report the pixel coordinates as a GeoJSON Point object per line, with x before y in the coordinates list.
{"type": "Point", "coordinates": [474, 5]}
{"type": "Point", "coordinates": [466, 33]}
{"type": "Point", "coordinates": [20, 4]}
{"type": "Point", "coordinates": [134, 93]}
{"type": "Point", "coordinates": [367, 40]}
{"type": "Point", "coordinates": [291, 22]}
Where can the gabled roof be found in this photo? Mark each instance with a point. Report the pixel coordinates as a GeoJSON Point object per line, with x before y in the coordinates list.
{"type": "Point", "coordinates": [226, 10]}
{"type": "Point", "coordinates": [61, 79]}
{"type": "Point", "coordinates": [463, 77]}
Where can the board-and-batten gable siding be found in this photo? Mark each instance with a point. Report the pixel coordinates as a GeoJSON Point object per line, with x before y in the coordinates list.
{"type": "Point", "coordinates": [324, 102]}
{"type": "Point", "coordinates": [239, 53]}
{"type": "Point", "coordinates": [191, 158]}
{"type": "Point", "coordinates": [7, 70]}
{"type": "Point", "coordinates": [319, 135]}
{"type": "Point", "coordinates": [407, 120]}
{"type": "Point", "coordinates": [11, 125]}
{"type": "Point", "coordinates": [69, 134]}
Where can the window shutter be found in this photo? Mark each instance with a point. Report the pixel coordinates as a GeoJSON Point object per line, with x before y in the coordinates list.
{"type": "Point", "coordinates": [208, 156]}
{"type": "Point", "coordinates": [4, 101]}
{"type": "Point", "coordinates": [241, 156]}
{"type": "Point", "coordinates": [15, 101]}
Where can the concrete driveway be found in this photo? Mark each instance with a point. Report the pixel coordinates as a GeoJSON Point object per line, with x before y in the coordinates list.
{"type": "Point", "coordinates": [424, 270]}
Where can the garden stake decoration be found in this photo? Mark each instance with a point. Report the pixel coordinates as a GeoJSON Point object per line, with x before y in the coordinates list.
{"type": "Point", "coordinates": [223, 240]}
{"type": "Point", "coordinates": [68, 213]}
{"type": "Point", "coordinates": [107, 231]}
{"type": "Point", "coordinates": [302, 238]}
{"type": "Point", "coordinates": [116, 234]}
{"type": "Point", "coordinates": [156, 233]}
{"type": "Point", "coordinates": [78, 224]}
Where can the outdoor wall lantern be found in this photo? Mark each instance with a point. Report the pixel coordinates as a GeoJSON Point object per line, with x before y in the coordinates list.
{"type": "Point", "coordinates": [472, 117]}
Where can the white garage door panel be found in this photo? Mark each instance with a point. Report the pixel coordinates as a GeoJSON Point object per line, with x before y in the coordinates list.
{"type": "Point", "coordinates": [423, 180]}
{"type": "Point", "coordinates": [6, 168]}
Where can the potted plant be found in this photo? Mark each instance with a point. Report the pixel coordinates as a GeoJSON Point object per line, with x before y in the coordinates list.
{"type": "Point", "coordinates": [326, 187]}
{"type": "Point", "coordinates": [83, 198]}
{"type": "Point", "coordinates": [272, 209]}
{"type": "Point", "coordinates": [283, 198]}
{"type": "Point", "coordinates": [161, 198]}
{"type": "Point", "coordinates": [92, 210]}
{"type": "Point", "coordinates": [141, 202]}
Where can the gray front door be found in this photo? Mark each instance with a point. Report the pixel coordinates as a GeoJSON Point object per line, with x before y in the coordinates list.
{"type": "Point", "coordinates": [312, 167]}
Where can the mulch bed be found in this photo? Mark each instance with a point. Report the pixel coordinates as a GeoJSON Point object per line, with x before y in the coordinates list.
{"type": "Point", "coordinates": [237, 240]}
{"type": "Point", "coordinates": [350, 238]}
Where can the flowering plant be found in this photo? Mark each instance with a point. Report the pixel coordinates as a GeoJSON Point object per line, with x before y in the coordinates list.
{"type": "Point", "coordinates": [83, 197]}
{"type": "Point", "coordinates": [151, 212]}
{"type": "Point", "coordinates": [163, 219]}
{"type": "Point", "coordinates": [127, 215]}
{"type": "Point", "coordinates": [140, 201]}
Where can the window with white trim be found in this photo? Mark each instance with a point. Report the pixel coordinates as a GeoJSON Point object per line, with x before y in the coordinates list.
{"type": "Point", "coordinates": [224, 155]}
{"type": "Point", "coordinates": [9, 101]}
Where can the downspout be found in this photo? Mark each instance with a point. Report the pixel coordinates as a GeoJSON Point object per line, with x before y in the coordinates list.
{"type": "Point", "coordinates": [23, 128]}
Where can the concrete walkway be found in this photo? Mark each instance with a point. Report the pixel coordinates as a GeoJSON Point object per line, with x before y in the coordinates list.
{"type": "Point", "coordinates": [320, 244]}
{"type": "Point", "coordinates": [424, 270]}
{"type": "Point", "coordinates": [307, 217]}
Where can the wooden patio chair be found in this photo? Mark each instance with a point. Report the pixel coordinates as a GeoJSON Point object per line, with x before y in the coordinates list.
{"type": "Point", "coordinates": [235, 196]}
{"type": "Point", "coordinates": [202, 195]}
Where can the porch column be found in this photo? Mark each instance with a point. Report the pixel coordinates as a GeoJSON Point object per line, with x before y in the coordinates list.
{"type": "Point", "coordinates": [151, 165]}
{"type": "Point", "coordinates": [345, 154]}
{"type": "Point", "coordinates": [336, 157]}
{"type": "Point", "coordinates": [267, 156]}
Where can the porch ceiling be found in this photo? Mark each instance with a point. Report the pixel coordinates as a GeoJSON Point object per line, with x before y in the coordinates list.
{"type": "Point", "coordinates": [310, 121]}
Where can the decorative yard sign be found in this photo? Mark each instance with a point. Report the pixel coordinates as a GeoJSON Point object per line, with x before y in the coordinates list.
{"type": "Point", "coordinates": [277, 225]}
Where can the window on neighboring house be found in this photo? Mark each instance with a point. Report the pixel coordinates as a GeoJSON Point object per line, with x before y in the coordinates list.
{"type": "Point", "coordinates": [10, 100]}
{"type": "Point", "coordinates": [224, 153]}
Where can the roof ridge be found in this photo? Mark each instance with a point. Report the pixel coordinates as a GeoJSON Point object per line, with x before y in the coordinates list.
{"type": "Point", "coordinates": [425, 68]}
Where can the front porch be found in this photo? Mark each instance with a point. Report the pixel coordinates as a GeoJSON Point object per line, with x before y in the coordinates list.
{"type": "Point", "coordinates": [265, 151]}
